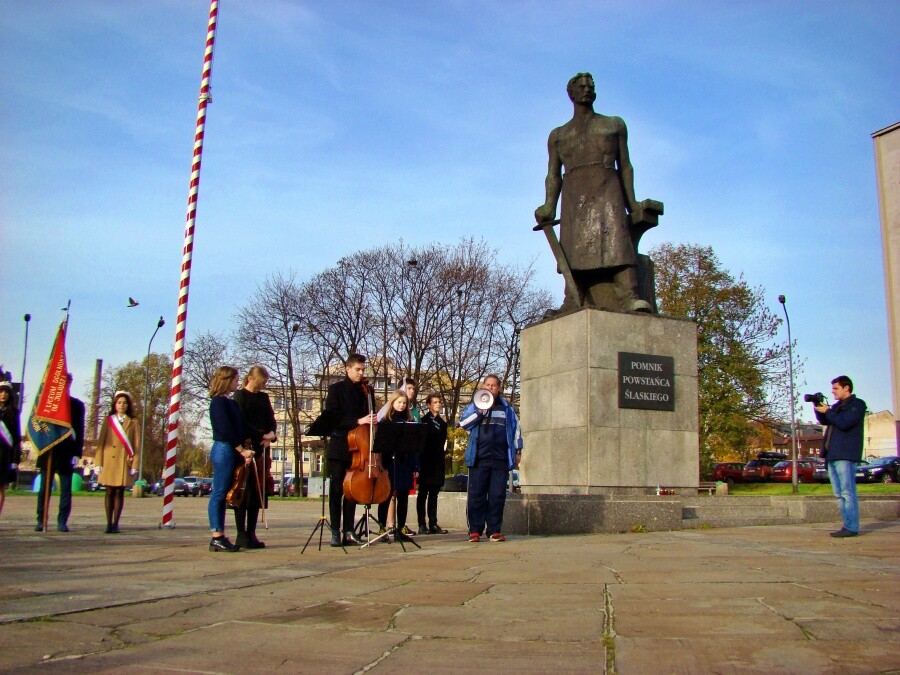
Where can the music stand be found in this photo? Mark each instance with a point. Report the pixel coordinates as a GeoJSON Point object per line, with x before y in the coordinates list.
{"type": "Point", "coordinates": [322, 426]}
{"type": "Point", "coordinates": [396, 439]}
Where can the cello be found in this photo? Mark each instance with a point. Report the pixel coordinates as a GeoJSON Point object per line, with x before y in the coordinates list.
{"type": "Point", "coordinates": [366, 482]}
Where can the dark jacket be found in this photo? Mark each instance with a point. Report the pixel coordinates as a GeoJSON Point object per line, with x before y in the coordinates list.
{"type": "Point", "coordinates": [226, 421]}
{"type": "Point", "coordinates": [258, 415]}
{"type": "Point", "coordinates": [10, 454]}
{"type": "Point", "coordinates": [844, 432]}
{"type": "Point", "coordinates": [348, 402]}
{"type": "Point", "coordinates": [431, 459]}
{"type": "Point", "coordinates": [73, 446]}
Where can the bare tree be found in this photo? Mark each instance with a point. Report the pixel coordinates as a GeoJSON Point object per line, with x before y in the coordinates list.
{"type": "Point", "coordinates": [267, 334]}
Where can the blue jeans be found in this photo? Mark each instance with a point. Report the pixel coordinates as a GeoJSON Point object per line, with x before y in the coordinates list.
{"type": "Point", "coordinates": [223, 458]}
{"type": "Point", "coordinates": [487, 496]}
{"type": "Point", "coordinates": [65, 497]}
{"type": "Point", "coordinates": [842, 474]}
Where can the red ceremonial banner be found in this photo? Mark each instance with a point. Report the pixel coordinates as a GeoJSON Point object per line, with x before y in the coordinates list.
{"type": "Point", "coordinates": [51, 417]}
{"type": "Point", "coordinates": [53, 400]}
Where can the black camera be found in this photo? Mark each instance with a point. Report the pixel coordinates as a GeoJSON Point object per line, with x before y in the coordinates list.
{"type": "Point", "coordinates": [816, 399]}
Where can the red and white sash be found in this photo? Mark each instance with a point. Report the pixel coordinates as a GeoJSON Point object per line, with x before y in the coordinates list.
{"type": "Point", "coordinates": [119, 431]}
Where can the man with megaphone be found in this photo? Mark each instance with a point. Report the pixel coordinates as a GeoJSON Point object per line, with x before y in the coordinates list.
{"type": "Point", "coordinates": [494, 449]}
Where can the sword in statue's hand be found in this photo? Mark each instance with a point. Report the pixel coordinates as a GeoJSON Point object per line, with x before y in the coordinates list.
{"type": "Point", "coordinates": [561, 261]}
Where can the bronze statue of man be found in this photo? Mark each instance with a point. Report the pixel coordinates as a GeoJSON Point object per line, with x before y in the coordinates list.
{"type": "Point", "coordinates": [597, 197]}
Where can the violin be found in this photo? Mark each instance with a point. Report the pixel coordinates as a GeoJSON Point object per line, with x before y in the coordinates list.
{"type": "Point", "coordinates": [366, 482]}
{"type": "Point", "coordinates": [238, 492]}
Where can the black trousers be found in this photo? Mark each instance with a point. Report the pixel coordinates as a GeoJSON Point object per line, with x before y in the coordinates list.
{"type": "Point", "coordinates": [426, 502]}
{"type": "Point", "coordinates": [402, 510]}
{"type": "Point", "coordinates": [339, 505]}
{"type": "Point", "coordinates": [65, 497]}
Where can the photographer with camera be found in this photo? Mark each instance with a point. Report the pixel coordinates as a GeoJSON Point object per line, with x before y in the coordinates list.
{"type": "Point", "coordinates": [843, 446]}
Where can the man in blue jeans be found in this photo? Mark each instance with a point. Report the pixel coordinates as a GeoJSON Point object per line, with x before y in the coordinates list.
{"type": "Point", "coordinates": [842, 449]}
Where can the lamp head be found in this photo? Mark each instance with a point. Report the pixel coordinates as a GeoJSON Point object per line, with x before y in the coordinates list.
{"type": "Point", "coordinates": [781, 299]}
{"type": "Point", "coordinates": [27, 318]}
{"type": "Point", "coordinates": [161, 322]}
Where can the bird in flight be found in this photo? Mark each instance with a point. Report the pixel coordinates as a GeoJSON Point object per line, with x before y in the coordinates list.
{"type": "Point", "coordinates": [132, 302]}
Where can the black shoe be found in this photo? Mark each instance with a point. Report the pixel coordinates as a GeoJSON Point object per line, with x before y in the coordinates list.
{"type": "Point", "coordinates": [423, 530]}
{"type": "Point", "coordinates": [350, 539]}
{"type": "Point", "coordinates": [222, 544]}
{"type": "Point", "coordinates": [62, 528]}
{"type": "Point", "coordinates": [38, 528]}
{"type": "Point", "coordinates": [242, 540]}
{"type": "Point", "coordinates": [437, 529]}
{"type": "Point", "coordinates": [336, 538]}
{"type": "Point", "coordinates": [115, 529]}
{"type": "Point", "coordinates": [844, 532]}
{"type": "Point", "coordinates": [109, 528]}
{"type": "Point", "coordinates": [253, 542]}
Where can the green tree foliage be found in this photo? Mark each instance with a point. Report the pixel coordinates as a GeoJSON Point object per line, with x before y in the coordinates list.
{"type": "Point", "coordinates": [742, 363]}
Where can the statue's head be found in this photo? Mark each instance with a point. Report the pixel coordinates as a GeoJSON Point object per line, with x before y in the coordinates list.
{"type": "Point", "coordinates": [581, 88]}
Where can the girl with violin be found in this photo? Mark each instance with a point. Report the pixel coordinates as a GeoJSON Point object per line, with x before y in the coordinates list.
{"type": "Point", "coordinates": [118, 455]}
{"type": "Point", "coordinates": [259, 425]}
{"type": "Point", "coordinates": [227, 451]}
{"type": "Point", "coordinates": [348, 402]}
{"type": "Point", "coordinates": [400, 469]}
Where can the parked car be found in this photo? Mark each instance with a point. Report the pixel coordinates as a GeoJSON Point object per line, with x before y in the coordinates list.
{"type": "Point", "coordinates": [880, 470]}
{"type": "Point", "coordinates": [194, 483]}
{"type": "Point", "coordinates": [205, 487]}
{"type": "Point", "coordinates": [783, 472]}
{"type": "Point", "coordinates": [182, 488]}
{"type": "Point", "coordinates": [290, 485]}
{"type": "Point", "coordinates": [729, 472]}
{"type": "Point", "coordinates": [820, 475]}
{"type": "Point", "coordinates": [760, 469]}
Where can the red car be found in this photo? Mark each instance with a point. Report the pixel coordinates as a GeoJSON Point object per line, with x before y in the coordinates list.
{"type": "Point", "coordinates": [760, 469]}
{"type": "Point", "coordinates": [729, 472]}
{"type": "Point", "coordinates": [783, 471]}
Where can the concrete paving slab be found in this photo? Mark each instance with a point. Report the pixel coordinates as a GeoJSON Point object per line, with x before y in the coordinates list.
{"type": "Point", "coordinates": [637, 656]}
{"type": "Point", "coordinates": [776, 599]}
{"type": "Point", "coordinates": [484, 656]}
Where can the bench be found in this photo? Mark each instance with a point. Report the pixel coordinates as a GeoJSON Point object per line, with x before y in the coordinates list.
{"type": "Point", "coordinates": [708, 486]}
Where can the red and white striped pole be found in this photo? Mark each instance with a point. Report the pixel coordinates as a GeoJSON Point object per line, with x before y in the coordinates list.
{"type": "Point", "coordinates": [180, 329]}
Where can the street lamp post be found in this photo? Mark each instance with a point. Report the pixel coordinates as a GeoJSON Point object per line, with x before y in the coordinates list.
{"type": "Point", "coordinates": [794, 488]}
{"type": "Point", "coordinates": [159, 324]}
{"type": "Point", "coordinates": [27, 318]}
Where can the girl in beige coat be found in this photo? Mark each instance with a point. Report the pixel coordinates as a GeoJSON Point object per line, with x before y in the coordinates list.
{"type": "Point", "coordinates": [118, 456]}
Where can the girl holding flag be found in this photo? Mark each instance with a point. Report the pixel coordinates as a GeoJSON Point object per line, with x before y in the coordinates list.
{"type": "Point", "coordinates": [118, 455]}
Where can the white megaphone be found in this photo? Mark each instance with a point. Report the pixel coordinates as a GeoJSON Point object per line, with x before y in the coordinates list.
{"type": "Point", "coordinates": [483, 399]}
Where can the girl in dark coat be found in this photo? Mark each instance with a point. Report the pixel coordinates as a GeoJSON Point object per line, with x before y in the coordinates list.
{"type": "Point", "coordinates": [402, 471]}
{"type": "Point", "coordinates": [259, 425]}
{"type": "Point", "coordinates": [10, 439]}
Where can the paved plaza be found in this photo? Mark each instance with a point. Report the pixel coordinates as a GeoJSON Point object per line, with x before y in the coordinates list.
{"type": "Point", "coordinates": [776, 599]}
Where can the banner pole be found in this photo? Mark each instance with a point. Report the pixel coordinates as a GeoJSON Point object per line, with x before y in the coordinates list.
{"type": "Point", "coordinates": [187, 250]}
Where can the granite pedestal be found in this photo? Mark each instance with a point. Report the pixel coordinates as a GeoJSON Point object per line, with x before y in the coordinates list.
{"type": "Point", "coordinates": [577, 438]}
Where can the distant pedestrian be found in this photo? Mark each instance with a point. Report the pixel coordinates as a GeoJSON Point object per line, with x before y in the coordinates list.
{"type": "Point", "coordinates": [10, 439]}
{"type": "Point", "coordinates": [117, 456]}
{"type": "Point", "coordinates": [842, 449]}
{"type": "Point", "coordinates": [494, 449]}
{"type": "Point", "coordinates": [64, 456]}
{"type": "Point", "coordinates": [431, 466]}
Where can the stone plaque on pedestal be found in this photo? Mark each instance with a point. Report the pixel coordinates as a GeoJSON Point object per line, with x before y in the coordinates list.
{"type": "Point", "coordinates": [609, 404]}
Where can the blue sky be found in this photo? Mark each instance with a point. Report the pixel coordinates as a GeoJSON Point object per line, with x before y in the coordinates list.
{"type": "Point", "coordinates": [339, 126]}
